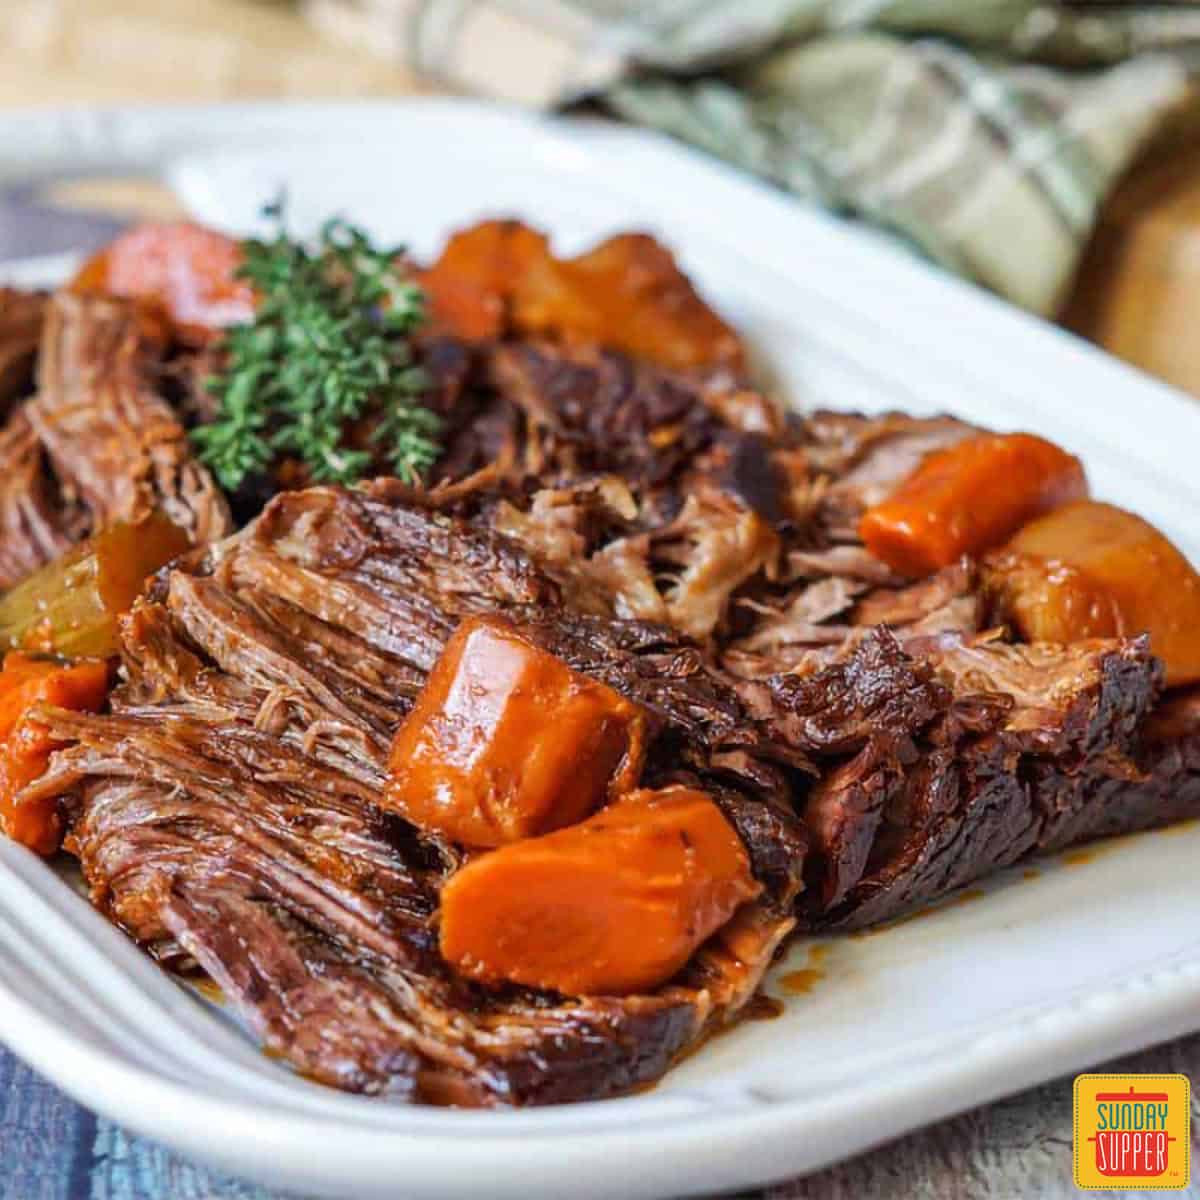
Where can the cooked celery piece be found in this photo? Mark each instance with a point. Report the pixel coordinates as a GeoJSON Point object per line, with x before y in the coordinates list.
{"type": "Point", "coordinates": [70, 607]}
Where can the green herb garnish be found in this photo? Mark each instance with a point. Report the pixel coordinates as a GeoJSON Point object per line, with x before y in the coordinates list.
{"type": "Point", "coordinates": [329, 344]}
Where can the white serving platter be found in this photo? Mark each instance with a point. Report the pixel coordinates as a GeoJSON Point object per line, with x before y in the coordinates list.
{"type": "Point", "coordinates": [1039, 973]}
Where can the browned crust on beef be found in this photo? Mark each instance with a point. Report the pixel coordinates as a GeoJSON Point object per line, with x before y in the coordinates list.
{"type": "Point", "coordinates": [987, 780]}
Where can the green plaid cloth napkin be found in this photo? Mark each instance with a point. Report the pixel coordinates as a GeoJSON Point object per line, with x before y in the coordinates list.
{"type": "Point", "coordinates": [987, 132]}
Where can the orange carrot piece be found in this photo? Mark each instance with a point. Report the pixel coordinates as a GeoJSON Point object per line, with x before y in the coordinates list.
{"type": "Point", "coordinates": [25, 744]}
{"type": "Point", "coordinates": [614, 905]}
{"type": "Point", "coordinates": [626, 294]}
{"type": "Point", "coordinates": [183, 269]}
{"type": "Point", "coordinates": [468, 289]}
{"type": "Point", "coordinates": [969, 498]}
{"type": "Point", "coordinates": [506, 741]}
{"type": "Point", "coordinates": [1091, 569]}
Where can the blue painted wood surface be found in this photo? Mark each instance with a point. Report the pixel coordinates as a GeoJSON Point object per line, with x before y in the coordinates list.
{"type": "Point", "coordinates": [51, 1149]}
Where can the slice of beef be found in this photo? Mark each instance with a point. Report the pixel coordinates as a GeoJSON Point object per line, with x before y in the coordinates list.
{"type": "Point", "coordinates": [313, 911]}
{"type": "Point", "coordinates": [35, 527]}
{"type": "Point", "coordinates": [1022, 737]}
{"type": "Point", "coordinates": [110, 437]}
{"type": "Point", "coordinates": [941, 756]}
{"type": "Point", "coordinates": [1159, 785]}
{"type": "Point", "coordinates": [21, 316]}
{"type": "Point", "coordinates": [225, 814]}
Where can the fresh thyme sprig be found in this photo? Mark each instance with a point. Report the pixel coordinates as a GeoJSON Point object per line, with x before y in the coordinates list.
{"type": "Point", "coordinates": [329, 345]}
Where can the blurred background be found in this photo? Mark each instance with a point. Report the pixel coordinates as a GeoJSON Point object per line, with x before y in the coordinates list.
{"type": "Point", "coordinates": [1086, 110]}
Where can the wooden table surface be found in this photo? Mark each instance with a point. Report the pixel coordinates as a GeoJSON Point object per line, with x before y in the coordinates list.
{"type": "Point", "coordinates": [1135, 295]}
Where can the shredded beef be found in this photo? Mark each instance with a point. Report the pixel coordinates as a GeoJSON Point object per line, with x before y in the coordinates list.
{"type": "Point", "coordinates": [35, 525]}
{"type": "Point", "coordinates": [864, 458]}
{"type": "Point", "coordinates": [20, 330]}
{"type": "Point", "coordinates": [225, 810]}
{"type": "Point", "coordinates": [109, 436]}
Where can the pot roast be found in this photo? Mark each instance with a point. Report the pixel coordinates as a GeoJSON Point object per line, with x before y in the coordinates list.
{"type": "Point", "coordinates": [657, 524]}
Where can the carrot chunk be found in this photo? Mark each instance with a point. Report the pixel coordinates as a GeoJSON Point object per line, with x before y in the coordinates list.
{"type": "Point", "coordinates": [1093, 570]}
{"type": "Point", "coordinates": [969, 498]}
{"type": "Point", "coordinates": [627, 294]}
{"type": "Point", "coordinates": [469, 286]}
{"type": "Point", "coordinates": [506, 741]}
{"type": "Point", "coordinates": [614, 905]}
{"type": "Point", "coordinates": [25, 744]}
{"type": "Point", "coordinates": [183, 269]}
